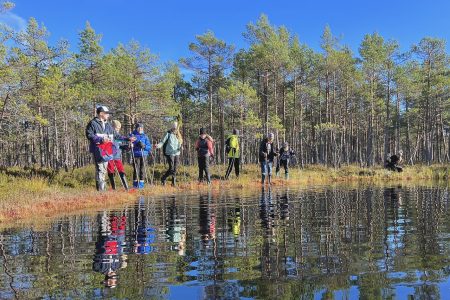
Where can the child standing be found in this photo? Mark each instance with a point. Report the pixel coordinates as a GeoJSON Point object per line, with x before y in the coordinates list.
{"type": "Point", "coordinates": [141, 149]}
{"type": "Point", "coordinates": [286, 154]}
{"type": "Point", "coordinates": [119, 144]}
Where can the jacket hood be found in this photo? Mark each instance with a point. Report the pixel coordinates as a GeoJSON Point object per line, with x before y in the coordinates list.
{"type": "Point", "coordinates": [135, 132]}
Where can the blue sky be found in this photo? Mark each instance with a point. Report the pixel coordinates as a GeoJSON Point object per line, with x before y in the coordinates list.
{"type": "Point", "coordinates": [167, 27]}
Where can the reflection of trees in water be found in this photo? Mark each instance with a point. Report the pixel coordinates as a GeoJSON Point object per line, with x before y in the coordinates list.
{"type": "Point", "coordinates": [175, 227]}
{"type": "Point", "coordinates": [296, 244]}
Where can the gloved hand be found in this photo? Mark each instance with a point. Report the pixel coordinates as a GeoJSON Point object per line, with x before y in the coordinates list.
{"type": "Point", "coordinates": [141, 145]}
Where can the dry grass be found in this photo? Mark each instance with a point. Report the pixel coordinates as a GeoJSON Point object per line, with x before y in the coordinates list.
{"type": "Point", "coordinates": [35, 197]}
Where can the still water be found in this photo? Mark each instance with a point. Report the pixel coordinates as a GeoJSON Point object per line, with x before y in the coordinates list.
{"type": "Point", "coordinates": [317, 243]}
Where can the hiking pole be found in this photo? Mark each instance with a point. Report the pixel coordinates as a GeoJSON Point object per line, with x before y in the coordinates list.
{"type": "Point", "coordinates": [145, 165]}
{"type": "Point", "coordinates": [120, 178]}
{"type": "Point", "coordinates": [134, 163]}
{"type": "Point", "coordinates": [153, 168]}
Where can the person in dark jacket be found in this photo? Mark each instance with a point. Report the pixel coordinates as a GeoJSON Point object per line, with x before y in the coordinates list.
{"type": "Point", "coordinates": [116, 162]}
{"type": "Point", "coordinates": [142, 147]}
{"type": "Point", "coordinates": [205, 151]}
{"type": "Point", "coordinates": [393, 162]}
{"type": "Point", "coordinates": [285, 154]}
{"type": "Point", "coordinates": [267, 154]}
{"type": "Point", "coordinates": [99, 132]}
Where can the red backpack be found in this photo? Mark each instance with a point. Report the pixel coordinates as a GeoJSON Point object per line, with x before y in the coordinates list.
{"type": "Point", "coordinates": [105, 152]}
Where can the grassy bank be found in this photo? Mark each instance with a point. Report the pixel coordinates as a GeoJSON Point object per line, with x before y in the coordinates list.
{"type": "Point", "coordinates": [35, 193]}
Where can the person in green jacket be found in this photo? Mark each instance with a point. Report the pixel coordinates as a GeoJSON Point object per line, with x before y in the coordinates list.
{"type": "Point", "coordinates": [171, 147]}
{"type": "Point", "coordinates": [232, 150]}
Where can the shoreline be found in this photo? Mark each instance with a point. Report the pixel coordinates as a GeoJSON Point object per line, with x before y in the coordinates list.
{"type": "Point", "coordinates": [35, 200]}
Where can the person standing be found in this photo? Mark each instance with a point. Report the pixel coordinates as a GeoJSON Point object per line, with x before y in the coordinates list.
{"type": "Point", "coordinates": [116, 161]}
{"type": "Point", "coordinates": [141, 149]}
{"type": "Point", "coordinates": [171, 147]}
{"type": "Point", "coordinates": [266, 156]}
{"type": "Point", "coordinates": [232, 149]}
{"type": "Point", "coordinates": [285, 154]}
{"type": "Point", "coordinates": [205, 151]}
{"type": "Point", "coordinates": [99, 132]}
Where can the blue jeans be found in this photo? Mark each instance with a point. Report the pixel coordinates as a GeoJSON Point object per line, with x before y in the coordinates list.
{"type": "Point", "coordinates": [266, 168]}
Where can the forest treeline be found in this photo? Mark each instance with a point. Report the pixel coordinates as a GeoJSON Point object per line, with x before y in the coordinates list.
{"type": "Point", "coordinates": [333, 106]}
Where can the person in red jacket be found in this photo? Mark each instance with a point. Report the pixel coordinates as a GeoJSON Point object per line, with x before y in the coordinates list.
{"type": "Point", "coordinates": [205, 151]}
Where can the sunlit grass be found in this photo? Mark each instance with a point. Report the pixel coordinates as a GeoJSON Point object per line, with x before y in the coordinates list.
{"type": "Point", "coordinates": [43, 193]}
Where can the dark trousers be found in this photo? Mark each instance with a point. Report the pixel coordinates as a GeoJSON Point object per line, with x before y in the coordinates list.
{"type": "Point", "coordinates": [283, 163]}
{"type": "Point", "coordinates": [231, 162]}
{"type": "Point", "coordinates": [203, 167]}
{"type": "Point", "coordinates": [172, 160]}
{"type": "Point", "coordinates": [393, 167]}
{"type": "Point", "coordinates": [139, 165]}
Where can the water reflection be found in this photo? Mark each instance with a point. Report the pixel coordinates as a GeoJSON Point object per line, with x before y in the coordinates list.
{"type": "Point", "coordinates": [337, 242]}
{"type": "Point", "coordinates": [110, 252]}
{"type": "Point", "coordinates": [175, 227]}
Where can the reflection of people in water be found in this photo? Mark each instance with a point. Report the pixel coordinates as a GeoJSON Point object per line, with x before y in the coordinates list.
{"type": "Point", "coordinates": [175, 229]}
{"type": "Point", "coordinates": [110, 255]}
{"type": "Point", "coordinates": [144, 235]}
{"type": "Point", "coordinates": [234, 220]}
{"type": "Point", "coordinates": [394, 196]}
{"type": "Point", "coordinates": [266, 211]}
{"type": "Point", "coordinates": [284, 207]}
{"type": "Point", "coordinates": [207, 220]}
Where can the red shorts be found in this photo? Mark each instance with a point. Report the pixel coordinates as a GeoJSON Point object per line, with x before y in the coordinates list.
{"type": "Point", "coordinates": [115, 163]}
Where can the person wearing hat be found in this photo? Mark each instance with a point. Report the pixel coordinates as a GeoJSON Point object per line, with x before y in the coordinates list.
{"type": "Point", "coordinates": [100, 132]}
{"type": "Point", "coordinates": [142, 147]}
{"type": "Point", "coordinates": [285, 154]}
{"type": "Point", "coordinates": [171, 147]}
{"type": "Point", "coordinates": [205, 151]}
{"type": "Point", "coordinates": [232, 150]}
{"type": "Point", "coordinates": [267, 154]}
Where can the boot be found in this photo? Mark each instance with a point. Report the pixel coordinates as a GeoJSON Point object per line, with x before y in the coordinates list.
{"type": "Point", "coordinates": [141, 184]}
{"type": "Point", "coordinates": [174, 181]}
{"type": "Point", "coordinates": [124, 180]}
{"type": "Point", "coordinates": [286, 176]}
{"type": "Point", "coordinates": [102, 186]}
{"type": "Point", "coordinates": [135, 184]}
{"type": "Point", "coordinates": [263, 178]}
{"type": "Point", "coordinates": [270, 179]}
{"type": "Point", "coordinates": [111, 180]}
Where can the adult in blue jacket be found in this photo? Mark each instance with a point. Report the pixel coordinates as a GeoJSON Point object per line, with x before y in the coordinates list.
{"type": "Point", "coordinates": [142, 147]}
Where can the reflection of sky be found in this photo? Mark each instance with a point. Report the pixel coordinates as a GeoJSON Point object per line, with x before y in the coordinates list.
{"type": "Point", "coordinates": [319, 254]}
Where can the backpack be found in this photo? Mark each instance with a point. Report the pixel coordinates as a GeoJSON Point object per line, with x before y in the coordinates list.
{"type": "Point", "coordinates": [105, 152]}
{"type": "Point", "coordinates": [227, 145]}
{"type": "Point", "coordinates": [203, 147]}
{"type": "Point", "coordinates": [166, 143]}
